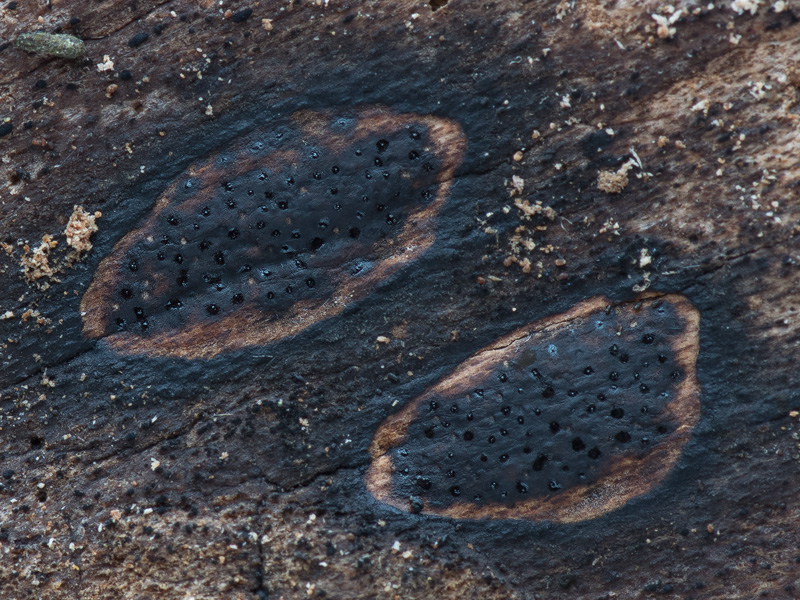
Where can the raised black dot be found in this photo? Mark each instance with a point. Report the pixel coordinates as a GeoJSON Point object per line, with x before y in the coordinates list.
{"type": "Point", "coordinates": [521, 420]}
{"type": "Point", "coordinates": [204, 245]}
{"type": "Point", "coordinates": [133, 265]}
{"type": "Point", "coordinates": [539, 462]}
{"type": "Point", "coordinates": [594, 453]}
{"type": "Point", "coordinates": [555, 427]}
{"type": "Point", "coordinates": [429, 433]}
{"type": "Point", "coordinates": [617, 413]}
{"type": "Point", "coordinates": [588, 371]}
{"type": "Point", "coordinates": [377, 162]}
{"type": "Point", "coordinates": [230, 203]}
{"type": "Point", "coordinates": [178, 258]}
{"type": "Point", "coordinates": [233, 233]}
{"type": "Point", "coordinates": [643, 388]}
{"type": "Point", "coordinates": [382, 145]}
{"type": "Point", "coordinates": [219, 258]}
{"type": "Point", "coordinates": [468, 436]}
{"type": "Point", "coordinates": [434, 405]}
{"type": "Point", "coordinates": [283, 204]}
{"type": "Point", "coordinates": [623, 437]}
{"type": "Point", "coordinates": [548, 392]}
{"type": "Point", "coordinates": [623, 358]}
{"type": "Point", "coordinates": [212, 309]}
{"type": "Point", "coordinates": [455, 490]}
{"type": "Point", "coordinates": [310, 282]}
{"type": "Point", "coordinates": [648, 338]}
{"type": "Point", "coordinates": [484, 458]}
{"type": "Point", "coordinates": [553, 485]}
{"type": "Point", "coordinates": [126, 293]}
{"type": "Point", "coordinates": [506, 410]}
{"type": "Point", "coordinates": [614, 350]}
{"type": "Point", "coordinates": [503, 457]}
{"type": "Point", "coordinates": [613, 376]}
{"type": "Point", "coordinates": [522, 487]}
{"type": "Point", "coordinates": [662, 358]}
{"type": "Point", "coordinates": [423, 482]}
{"type": "Point", "coordinates": [172, 220]}
{"type": "Point", "coordinates": [492, 439]}
{"type": "Point", "coordinates": [577, 444]}
{"type": "Point", "coordinates": [237, 299]}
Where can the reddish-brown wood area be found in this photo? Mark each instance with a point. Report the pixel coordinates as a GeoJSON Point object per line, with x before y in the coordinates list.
{"type": "Point", "coordinates": [591, 149]}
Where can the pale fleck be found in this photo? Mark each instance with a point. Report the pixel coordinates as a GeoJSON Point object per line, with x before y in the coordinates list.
{"type": "Point", "coordinates": [106, 65]}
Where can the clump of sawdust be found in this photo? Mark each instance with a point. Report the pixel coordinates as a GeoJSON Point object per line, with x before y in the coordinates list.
{"type": "Point", "coordinates": [38, 263]}
{"type": "Point", "coordinates": [612, 182]}
{"type": "Point", "coordinates": [80, 228]}
{"type": "Point", "coordinates": [527, 236]}
{"type": "Point", "coordinates": [522, 241]}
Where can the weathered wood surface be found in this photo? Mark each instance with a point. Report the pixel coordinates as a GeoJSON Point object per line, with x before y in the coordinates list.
{"type": "Point", "coordinates": [242, 476]}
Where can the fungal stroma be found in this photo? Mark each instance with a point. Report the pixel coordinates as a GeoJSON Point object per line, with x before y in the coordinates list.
{"type": "Point", "coordinates": [282, 230]}
{"type": "Point", "coordinates": [562, 420]}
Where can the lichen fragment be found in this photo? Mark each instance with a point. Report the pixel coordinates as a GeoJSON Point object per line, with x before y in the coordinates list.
{"type": "Point", "coordinates": [60, 45]}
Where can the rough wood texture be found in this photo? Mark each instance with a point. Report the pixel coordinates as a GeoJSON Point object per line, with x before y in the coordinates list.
{"type": "Point", "coordinates": [608, 152]}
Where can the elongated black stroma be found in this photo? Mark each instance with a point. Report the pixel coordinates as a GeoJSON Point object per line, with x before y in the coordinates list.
{"type": "Point", "coordinates": [564, 421]}
{"type": "Point", "coordinates": [305, 215]}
